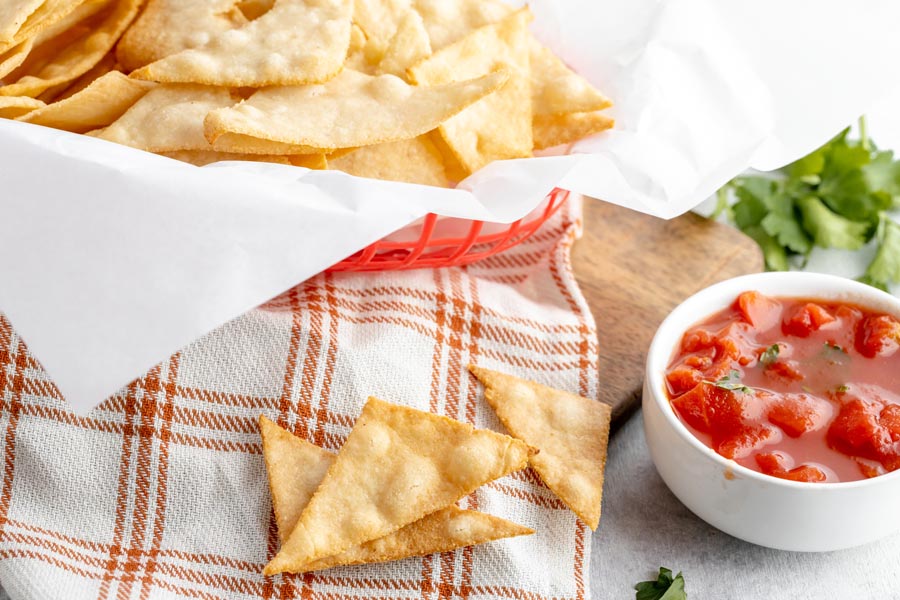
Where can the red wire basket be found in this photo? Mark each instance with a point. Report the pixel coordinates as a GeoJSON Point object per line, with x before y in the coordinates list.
{"type": "Point", "coordinates": [449, 242]}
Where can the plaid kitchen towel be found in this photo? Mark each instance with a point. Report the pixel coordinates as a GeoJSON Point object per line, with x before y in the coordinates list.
{"type": "Point", "coordinates": [161, 492]}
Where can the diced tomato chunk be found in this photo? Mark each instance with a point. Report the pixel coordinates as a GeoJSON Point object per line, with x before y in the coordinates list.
{"type": "Point", "coordinates": [775, 464]}
{"type": "Point", "coordinates": [692, 407]}
{"type": "Point", "coordinates": [699, 361]}
{"type": "Point", "coordinates": [784, 370]}
{"type": "Point", "coordinates": [805, 319]}
{"type": "Point", "coordinates": [742, 443]}
{"type": "Point", "coordinates": [697, 339]}
{"type": "Point", "coordinates": [878, 336]}
{"type": "Point", "coordinates": [683, 379]}
{"type": "Point", "coordinates": [760, 311]}
{"type": "Point", "coordinates": [797, 414]}
{"type": "Point", "coordinates": [856, 431]}
{"type": "Point", "coordinates": [890, 420]}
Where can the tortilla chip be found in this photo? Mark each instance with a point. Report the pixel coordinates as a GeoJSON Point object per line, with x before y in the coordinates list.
{"type": "Point", "coordinates": [296, 468]}
{"type": "Point", "coordinates": [45, 17]}
{"type": "Point", "coordinates": [297, 42]}
{"type": "Point", "coordinates": [379, 20]}
{"type": "Point", "coordinates": [169, 117]}
{"type": "Point", "coordinates": [246, 144]}
{"type": "Point", "coordinates": [554, 130]}
{"type": "Point", "coordinates": [448, 22]}
{"type": "Point", "coordinates": [556, 89]}
{"type": "Point", "coordinates": [254, 9]}
{"type": "Point", "coordinates": [479, 135]}
{"type": "Point", "coordinates": [15, 56]}
{"type": "Point", "coordinates": [317, 162]}
{"type": "Point", "coordinates": [167, 27]}
{"type": "Point", "coordinates": [12, 107]}
{"type": "Point", "coordinates": [67, 90]}
{"type": "Point", "coordinates": [13, 14]}
{"type": "Point", "coordinates": [79, 57]}
{"type": "Point", "coordinates": [396, 466]}
{"type": "Point", "coordinates": [408, 46]}
{"type": "Point", "coordinates": [412, 161]}
{"type": "Point", "coordinates": [351, 110]}
{"type": "Point", "coordinates": [571, 433]}
{"type": "Point", "coordinates": [98, 105]}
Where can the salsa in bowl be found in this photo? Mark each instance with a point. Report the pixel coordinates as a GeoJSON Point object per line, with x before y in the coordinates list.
{"type": "Point", "coordinates": [769, 409]}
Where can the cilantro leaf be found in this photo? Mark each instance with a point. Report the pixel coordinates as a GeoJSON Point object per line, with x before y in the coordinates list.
{"type": "Point", "coordinates": [883, 173]}
{"type": "Point", "coordinates": [732, 383]}
{"type": "Point", "coordinates": [885, 267]}
{"type": "Point", "coordinates": [774, 253]}
{"type": "Point", "coordinates": [752, 194]}
{"type": "Point", "coordinates": [770, 355]}
{"type": "Point", "coordinates": [665, 587]}
{"type": "Point", "coordinates": [830, 230]}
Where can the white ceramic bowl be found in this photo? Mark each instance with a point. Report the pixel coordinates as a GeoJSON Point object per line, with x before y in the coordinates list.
{"type": "Point", "coordinates": [764, 510]}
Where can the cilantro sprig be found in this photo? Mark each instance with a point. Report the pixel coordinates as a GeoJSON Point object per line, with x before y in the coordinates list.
{"type": "Point", "coordinates": [836, 197]}
{"type": "Point", "coordinates": [770, 355]}
{"type": "Point", "coordinates": [665, 587]}
{"type": "Point", "coordinates": [731, 382]}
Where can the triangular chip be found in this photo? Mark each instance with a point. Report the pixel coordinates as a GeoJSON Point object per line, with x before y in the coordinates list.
{"type": "Point", "coordinates": [397, 465]}
{"type": "Point", "coordinates": [201, 158]}
{"type": "Point", "coordinates": [98, 105]}
{"type": "Point", "coordinates": [379, 19]}
{"type": "Point", "coordinates": [80, 56]}
{"type": "Point", "coordinates": [170, 26]}
{"type": "Point", "coordinates": [169, 117]}
{"type": "Point", "coordinates": [408, 46]}
{"type": "Point", "coordinates": [296, 467]}
{"type": "Point", "coordinates": [557, 89]}
{"type": "Point", "coordinates": [477, 136]}
{"type": "Point", "coordinates": [351, 110]}
{"type": "Point", "coordinates": [246, 144]}
{"type": "Point", "coordinates": [16, 106]}
{"type": "Point", "coordinates": [46, 17]}
{"type": "Point", "coordinates": [15, 56]}
{"type": "Point", "coordinates": [13, 14]}
{"type": "Point", "coordinates": [412, 161]}
{"type": "Point", "coordinates": [571, 433]}
{"type": "Point", "coordinates": [297, 42]}
{"type": "Point", "coordinates": [553, 130]}
{"type": "Point", "coordinates": [67, 90]}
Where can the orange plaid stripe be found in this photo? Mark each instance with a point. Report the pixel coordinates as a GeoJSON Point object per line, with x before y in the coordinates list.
{"type": "Point", "coordinates": [160, 491]}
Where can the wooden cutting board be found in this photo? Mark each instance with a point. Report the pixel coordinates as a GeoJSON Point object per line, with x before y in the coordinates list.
{"type": "Point", "coordinates": [634, 269]}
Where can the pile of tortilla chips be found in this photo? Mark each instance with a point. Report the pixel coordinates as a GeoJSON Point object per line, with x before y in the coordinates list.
{"type": "Point", "coordinates": [390, 492]}
{"type": "Point", "coordinates": [422, 91]}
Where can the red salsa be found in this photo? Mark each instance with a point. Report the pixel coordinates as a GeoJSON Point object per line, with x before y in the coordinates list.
{"type": "Point", "coordinates": [795, 388]}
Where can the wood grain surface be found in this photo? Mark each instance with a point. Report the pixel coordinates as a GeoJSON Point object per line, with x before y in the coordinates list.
{"type": "Point", "coordinates": [634, 269]}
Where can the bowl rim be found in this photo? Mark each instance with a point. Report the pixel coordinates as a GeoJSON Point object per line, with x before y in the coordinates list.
{"type": "Point", "coordinates": [685, 315]}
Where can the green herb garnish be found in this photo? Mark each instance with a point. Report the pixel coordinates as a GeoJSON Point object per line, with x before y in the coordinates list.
{"type": "Point", "coordinates": [835, 347]}
{"type": "Point", "coordinates": [770, 355]}
{"type": "Point", "coordinates": [836, 197]}
{"type": "Point", "coordinates": [843, 388]}
{"type": "Point", "coordinates": [731, 382]}
{"type": "Point", "coordinates": [665, 587]}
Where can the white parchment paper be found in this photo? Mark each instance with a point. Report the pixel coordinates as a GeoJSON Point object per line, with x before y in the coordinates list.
{"type": "Point", "coordinates": [111, 259]}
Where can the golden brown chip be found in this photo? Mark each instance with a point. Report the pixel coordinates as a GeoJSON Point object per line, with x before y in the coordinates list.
{"type": "Point", "coordinates": [412, 161]}
{"type": "Point", "coordinates": [79, 57]}
{"type": "Point", "coordinates": [297, 42]}
{"type": "Point", "coordinates": [554, 130]}
{"type": "Point", "coordinates": [254, 9]}
{"type": "Point", "coordinates": [170, 26]}
{"type": "Point", "coordinates": [571, 433]}
{"type": "Point", "coordinates": [202, 158]}
{"type": "Point", "coordinates": [67, 90]}
{"type": "Point", "coordinates": [498, 126]}
{"type": "Point", "coordinates": [408, 46]}
{"type": "Point", "coordinates": [351, 110]}
{"type": "Point", "coordinates": [13, 14]}
{"type": "Point", "coordinates": [448, 22]}
{"type": "Point", "coordinates": [296, 467]}
{"type": "Point", "coordinates": [396, 466]}
{"type": "Point", "coordinates": [556, 89]}
{"type": "Point", "coordinates": [16, 106]}
{"type": "Point", "coordinates": [169, 117]}
{"type": "Point", "coordinates": [98, 105]}
{"type": "Point", "coordinates": [379, 20]}
{"type": "Point", "coordinates": [46, 17]}
{"type": "Point", "coordinates": [447, 529]}
{"type": "Point", "coordinates": [246, 144]}
{"type": "Point", "coordinates": [317, 162]}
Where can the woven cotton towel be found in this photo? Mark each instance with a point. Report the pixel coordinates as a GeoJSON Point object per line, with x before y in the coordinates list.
{"type": "Point", "coordinates": [161, 493]}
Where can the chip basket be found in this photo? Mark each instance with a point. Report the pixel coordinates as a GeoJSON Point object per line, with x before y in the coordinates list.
{"type": "Point", "coordinates": [449, 242]}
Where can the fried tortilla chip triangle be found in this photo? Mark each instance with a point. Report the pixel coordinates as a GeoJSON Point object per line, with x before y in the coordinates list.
{"type": "Point", "coordinates": [351, 110]}
{"type": "Point", "coordinates": [570, 432]}
{"type": "Point", "coordinates": [476, 136]}
{"type": "Point", "coordinates": [297, 42]}
{"type": "Point", "coordinates": [13, 14]}
{"type": "Point", "coordinates": [97, 105]}
{"type": "Point", "coordinates": [296, 468]}
{"type": "Point", "coordinates": [413, 161]}
{"type": "Point", "coordinates": [554, 130]}
{"type": "Point", "coordinates": [397, 466]}
{"type": "Point", "coordinates": [556, 89]}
